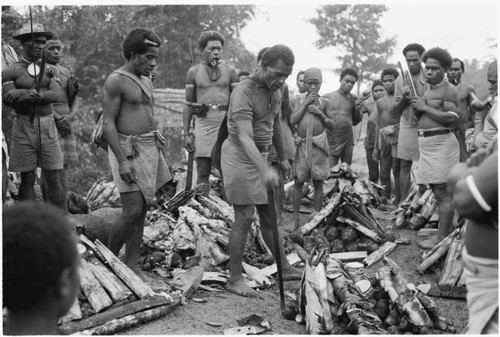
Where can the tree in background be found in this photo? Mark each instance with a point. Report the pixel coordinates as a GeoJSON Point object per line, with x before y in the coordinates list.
{"type": "Point", "coordinates": [355, 32]}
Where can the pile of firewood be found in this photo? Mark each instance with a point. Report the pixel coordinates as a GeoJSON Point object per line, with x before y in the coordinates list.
{"type": "Point", "coordinates": [418, 211]}
{"type": "Point", "coordinates": [330, 301]}
{"type": "Point", "coordinates": [112, 296]}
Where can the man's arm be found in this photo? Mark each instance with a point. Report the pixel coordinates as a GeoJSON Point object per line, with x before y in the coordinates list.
{"type": "Point", "coordinates": [278, 142]}
{"type": "Point", "coordinates": [375, 154]}
{"type": "Point", "coordinates": [322, 113]}
{"type": "Point", "coordinates": [188, 113]}
{"type": "Point", "coordinates": [401, 93]}
{"type": "Point", "coordinates": [448, 116]}
{"type": "Point", "coordinates": [233, 79]}
{"type": "Point", "coordinates": [299, 112]}
{"type": "Point", "coordinates": [111, 105]}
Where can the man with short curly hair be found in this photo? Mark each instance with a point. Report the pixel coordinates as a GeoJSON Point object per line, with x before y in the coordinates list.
{"type": "Point", "coordinates": [40, 268]}
{"type": "Point", "coordinates": [208, 88]}
{"type": "Point", "coordinates": [437, 115]}
{"type": "Point", "coordinates": [136, 155]}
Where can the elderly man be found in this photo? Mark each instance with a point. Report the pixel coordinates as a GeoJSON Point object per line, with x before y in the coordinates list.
{"type": "Point", "coordinates": [466, 94]}
{"type": "Point", "coordinates": [403, 93]}
{"type": "Point", "coordinates": [345, 109]}
{"type": "Point", "coordinates": [437, 115]}
{"type": "Point", "coordinates": [34, 133]}
{"type": "Point", "coordinates": [253, 125]}
{"type": "Point", "coordinates": [135, 152]}
{"type": "Point", "coordinates": [486, 125]}
{"type": "Point", "coordinates": [208, 87]}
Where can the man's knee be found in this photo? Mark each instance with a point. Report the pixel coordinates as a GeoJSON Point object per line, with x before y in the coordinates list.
{"type": "Point", "coordinates": [406, 165]}
{"type": "Point", "coordinates": [204, 166]}
{"type": "Point", "coordinates": [28, 178]}
{"type": "Point", "coordinates": [243, 214]}
{"type": "Point", "coordinates": [440, 192]}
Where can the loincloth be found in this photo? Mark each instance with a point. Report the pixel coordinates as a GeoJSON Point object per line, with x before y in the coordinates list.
{"type": "Point", "coordinates": [388, 140]}
{"type": "Point", "coordinates": [481, 278]}
{"type": "Point", "coordinates": [407, 141]}
{"type": "Point", "coordinates": [319, 168]}
{"type": "Point", "coordinates": [24, 149]}
{"type": "Point", "coordinates": [148, 159]}
{"type": "Point", "coordinates": [438, 155]}
{"type": "Point", "coordinates": [338, 140]}
{"type": "Point", "coordinates": [68, 143]}
{"type": "Point", "coordinates": [243, 182]}
{"type": "Point", "coordinates": [205, 132]}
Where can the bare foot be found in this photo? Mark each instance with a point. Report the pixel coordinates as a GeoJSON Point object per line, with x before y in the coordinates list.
{"type": "Point", "coordinates": [290, 273]}
{"type": "Point", "coordinates": [239, 287]}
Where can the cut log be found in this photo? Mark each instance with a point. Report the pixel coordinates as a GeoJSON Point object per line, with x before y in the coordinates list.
{"type": "Point", "coordinates": [74, 313]}
{"type": "Point", "coordinates": [461, 280]}
{"type": "Point", "coordinates": [214, 277]}
{"type": "Point", "coordinates": [453, 266]}
{"type": "Point", "coordinates": [292, 258]}
{"type": "Point", "coordinates": [324, 212]}
{"type": "Point", "coordinates": [92, 289]}
{"type": "Point", "coordinates": [118, 312]}
{"type": "Point", "coordinates": [380, 253]}
{"type": "Point", "coordinates": [116, 325]}
{"type": "Point", "coordinates": [422, 217]}
{"type": "Point", "coordinates": [400, 219]}
{"type": "Point", "coordinates": [227, 213]}
{"type": "Point", "coordinates": [427, 231]}
{"type": "Point", "coordinates": [436, 247]}
{"type": "Point", "coordinates": [448, 292]}
{"type": "Point", "coordinates": [116, 289]}
{"type": "Point", "coordinates": [126, 274]}
{"type": "Point", "coordinates": [349, 256]}
{"type": "Point", "coordinates": [360, 228]}
{"type": "Point", "coordinates": [256, 274]}
{"type": "Point", "coordinates": [435, 216]}
{"type": "Point", "coordinates": [357, 216]}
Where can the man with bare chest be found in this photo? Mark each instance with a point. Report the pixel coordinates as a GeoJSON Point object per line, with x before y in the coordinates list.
{"type": "Point", "coordinates": [343, 108]}
{"type": "Point", "coordinates": [136, 146]}
{"type": "Point", "coordinates": [311, 158]}
{"type": "Point", "coordinates": [437, 115]}
{"type": "Point", "coordinates": [208, 88]}
{"type": "Point", "coordinates": [466, 111]}
{"type": "Point", "coordinates": [386, 136]}
{"type": "Point", "coordinates": [34, 134]}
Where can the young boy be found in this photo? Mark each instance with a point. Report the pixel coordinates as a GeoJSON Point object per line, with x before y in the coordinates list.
{"type": "Point", "coordinates": [311, 158]}
{"type": "Point", "coordinates": [40, 268]}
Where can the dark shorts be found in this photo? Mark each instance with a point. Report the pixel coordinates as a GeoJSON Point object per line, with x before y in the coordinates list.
{"type": "Point", "coordinates": [26, 154]}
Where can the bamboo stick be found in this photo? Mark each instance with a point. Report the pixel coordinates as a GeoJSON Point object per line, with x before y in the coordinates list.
{"type": "Point", "coordinates": [380, 253]}
{"type": "Point", "coordinates": [126, 274]}
{"type": "Point", "coordinates": [349, 256]}
{"type": "Point", "coordinates": [92, 289]}
{"type": "Point", "coordinates": [227, 213]}
{"type": "Point", "coordinates": [360, 228]}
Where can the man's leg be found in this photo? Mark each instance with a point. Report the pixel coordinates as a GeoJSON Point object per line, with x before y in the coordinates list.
{"type": "Point", "coordinates": [396, 167]}
{"type": "Point", "coordinates": [289, 272]}
{"type": "Point", "coordinates": [26, 189]}
{"type": "Point", "coordinates": [243, 218]}
{"type": "Point", "coordinates": [318, 195]}
{"type": "Point", "coordinates": [280, 191]}
{"type": "Point", "coordinates": [385, 174]}
{"type": "Point", "coordinates": [52, 188]}
{"type": "Point", "coordinates": [128, 228]}
{"type": "Point", "coordinates": [297, 197]}
{"type": "Point", "coordinates": [347, 153]}
{"type": "Point", "coordinates": [372, 165]}
{"type": "Point", "coordinates": [5, 177]}
{"type": "Point", "coordinates": [333, 160]}
{"type": "Point", "coordinates": [405, 178]}
{"type": "Point", "coordinates": [204, 165]}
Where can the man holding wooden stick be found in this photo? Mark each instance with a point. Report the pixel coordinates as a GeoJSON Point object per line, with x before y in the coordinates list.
{"type": "Point", "coordinates": [437, 115]}
{"type": "Point", "coordinates": [136, 156]}
{"type": "Point", "coordinates": [253, 125]}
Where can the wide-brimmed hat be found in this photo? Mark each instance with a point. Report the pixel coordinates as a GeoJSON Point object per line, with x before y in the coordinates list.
{"type": "Point", "coordinates": [38, 30]}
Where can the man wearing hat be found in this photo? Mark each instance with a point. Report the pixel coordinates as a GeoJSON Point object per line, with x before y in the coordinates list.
{"type": "Point", "coordinates": [311, 157]}
{"type": "Point", "coordinates": [34, 134]}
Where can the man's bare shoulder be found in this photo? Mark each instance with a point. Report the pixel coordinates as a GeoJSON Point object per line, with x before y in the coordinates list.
{"type": "Point", "coordinates": [63, 70]}
{"type": "Point", "coordinates": [13, 71]}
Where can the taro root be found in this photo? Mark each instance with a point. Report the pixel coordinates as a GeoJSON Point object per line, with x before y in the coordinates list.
{"type": "Point", "coordinates": [393, 330]}
{"type": "Point", "coordinates": [349, 235]}
{"type": "Point", "coordinates": [332, 233]}
{"type": "Point", "coordinates": [308, 244]}
{"type": "Point", "coordinates": [320, 241]}
{"type": "Point", "coordinates": [382, 308]}
{"type": "Point", "coordinates": [351, 247]}
{"type": "Point", "coordinates": [371, 247]}
{"type": "Point", "coordinates": [336, 246]}
{"type": "Point", "coordinates": [390, 236]}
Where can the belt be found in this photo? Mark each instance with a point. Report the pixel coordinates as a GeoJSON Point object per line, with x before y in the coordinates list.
{"type": "Point", "coordinates": [430, 133]}
{"type": "Point", "coordinates": [216, 107]}
{"type": "Point", "coordinates": [264, 148]}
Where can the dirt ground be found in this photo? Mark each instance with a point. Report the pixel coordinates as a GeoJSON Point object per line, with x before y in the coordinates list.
{"type": "Point", "coordinates": [221, 311]}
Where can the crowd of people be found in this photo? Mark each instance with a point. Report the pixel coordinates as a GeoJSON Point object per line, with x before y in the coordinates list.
{"type": "Point", "coordinates": [263, 136]}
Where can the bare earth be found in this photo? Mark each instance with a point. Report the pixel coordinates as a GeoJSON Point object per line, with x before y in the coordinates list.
{"type": "Point", "coordinates": [222, 310]}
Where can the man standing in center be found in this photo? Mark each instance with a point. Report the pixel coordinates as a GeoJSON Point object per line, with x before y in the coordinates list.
{"type": "Point", "coordinates": [345, 109]}
{"type": "Point", "coordinates": [208, 88]}
{"type": "Point", "coordinates": [253, 125]}
{"type": "Point", "coordinates": [437, 115]}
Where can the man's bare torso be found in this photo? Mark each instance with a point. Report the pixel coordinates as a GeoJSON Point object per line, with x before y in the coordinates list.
{"type": "Point", "coordinates": [438, 98]}
{"type": "Point", "coordinates": [385, 108]}
{"type": "Point", "coordinates": [318, 126]}
{"type": "Point", "coordinates": [212, 92]}
{"type": "Point", "coordinates": [340, 109]}
{"type": "Point", "coordinates": [464, 99]}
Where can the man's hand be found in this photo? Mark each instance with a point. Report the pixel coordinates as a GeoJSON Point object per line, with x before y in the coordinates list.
{"type": "Point", "coordinates": [21, 95]}
{"type": "Point", "coordinates": [63, 126]}
{"type": "Point", "coordinates": [271, 178]}
{"type": "Point", "coordinates": [313, 109]}
{"type": "Point", "coordinates": [418, 103]}
{"type": "Point", "coordinates": [405, 91]}
{"type": "Point", "coordinates": [376, 155]}
{"type": "Point", "coordinates": [285, 168]}
{"type": "Point", "coordinates": [311, 98]}
{"type": "Point", "coordinates": [189, 142]}
{"type": "Point", "coordinates": [127, 172]}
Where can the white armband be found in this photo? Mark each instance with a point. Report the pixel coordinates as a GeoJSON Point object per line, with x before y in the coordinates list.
{"type": "Point", "coordinates": [190, 86]}
{"type": "Point", "coordinates": [476, 194]}
{"type": "Point", "coordinates": [188, 103]}
{"type": "Point", "coordinates": [453, 114]}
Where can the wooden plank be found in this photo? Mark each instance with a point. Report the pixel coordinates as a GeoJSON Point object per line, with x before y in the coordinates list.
{"type": "Point", "coordinates": [380, 253]}
{"type": "Point", "coordinates": [427, 231]}
{"type": "Point", "coordinates": [360, 228]}
{"type": "Point", "coordinates": [92, 289]}
{"type": "Point", "coordinates": [214, 277]}
{"type": "Point", "coordinates": [453, 265]}
{"type": "Point", "coordinates": [126, 274]}
{"type": "Point", "coordinates": [74, 313]}
{"type": "Point", "coordinates": [448, 292]}
{"type": "Point", "coordinates": [349, 256]}
{"type": "Point", "coordinates": [116, 289]}
{"type": "Point", "coordinates": [193, 277]}
{"type": "Point", "coordinates": [118, 312]}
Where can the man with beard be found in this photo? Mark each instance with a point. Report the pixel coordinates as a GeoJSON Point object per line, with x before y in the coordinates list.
{"type": "Point", "coordinates": [386, 137]}
{"type": "Point", "coordinates": [34, 133]}
{"type": "Point", "coordinates": [437, 116]}
{"type": "Point", "coordinates": [253, 125]}
{"type": "Point", "coordinates": [466, 94]}
{"type": "Point", "coordinates": [208, 88]}
{"type": "Point", "coordinates": [344, 108]}
{"type": "Point", "coordinates": [65, 109]}
{"type": "Point", "coordinates": [407, 140]}
{"type": "Point", "coordinates": [136, 146]}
